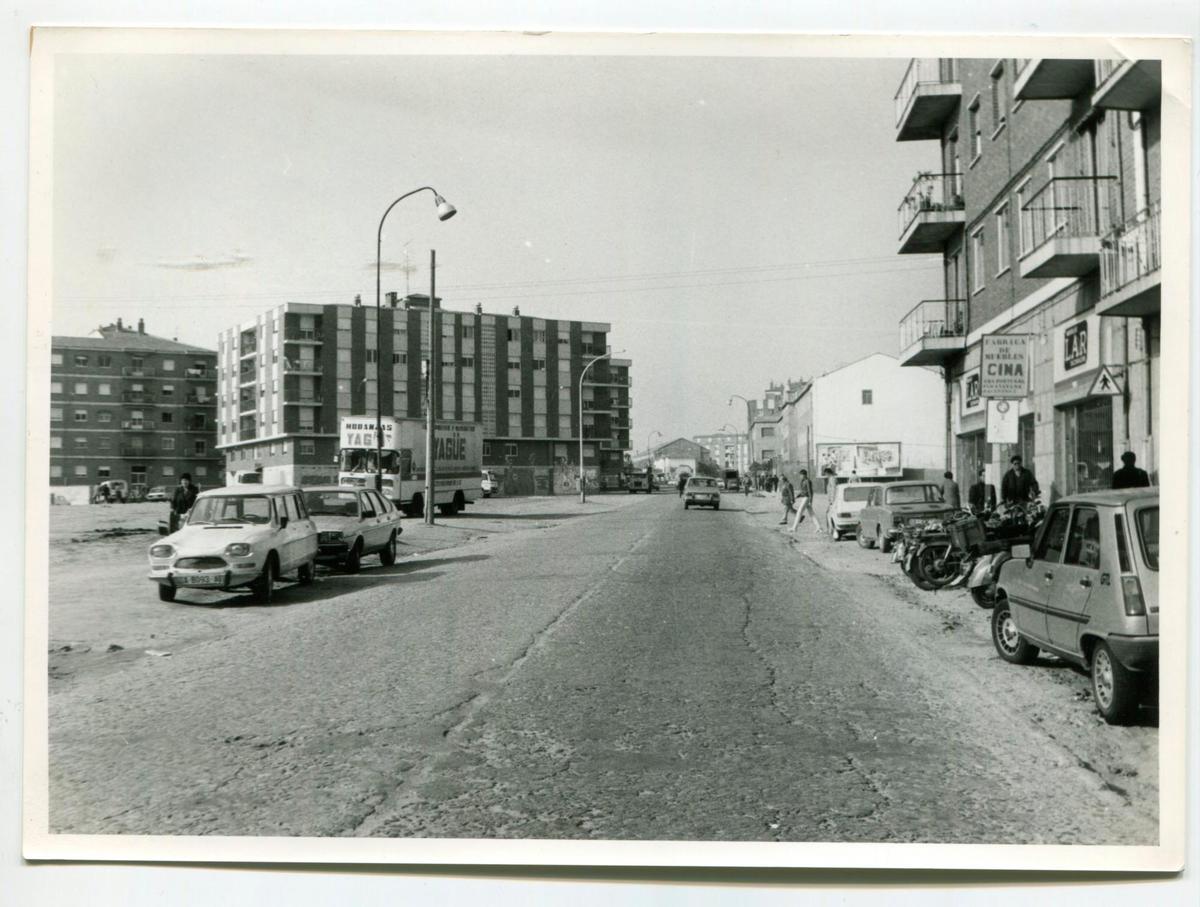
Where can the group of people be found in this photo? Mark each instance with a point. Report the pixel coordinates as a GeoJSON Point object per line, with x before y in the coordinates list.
{"type": "Point", "coordinates": [797, 503]}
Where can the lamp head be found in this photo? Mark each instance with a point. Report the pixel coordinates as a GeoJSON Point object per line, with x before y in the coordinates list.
{"type": "Point", "coordinates": [445, 210]}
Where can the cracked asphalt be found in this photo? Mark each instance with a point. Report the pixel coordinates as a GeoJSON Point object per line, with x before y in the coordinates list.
{"type": "Point", "coordinates": [616, 670]}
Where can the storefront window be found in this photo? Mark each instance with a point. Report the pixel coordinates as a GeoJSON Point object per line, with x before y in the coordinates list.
{"type": "Point", "coordinates": [1088, 445]}
{"type": "Point", "coordinates": [973, 453]}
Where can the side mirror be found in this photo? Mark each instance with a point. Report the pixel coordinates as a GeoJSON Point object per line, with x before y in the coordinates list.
{"type": "Point", "coordinates": [283, 521]}
{"type": "Point", "coordinates": [1022, 552]}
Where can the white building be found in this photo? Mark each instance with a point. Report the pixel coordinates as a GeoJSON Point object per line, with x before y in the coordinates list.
{"type": "Point", "coordinates": [872, 417]}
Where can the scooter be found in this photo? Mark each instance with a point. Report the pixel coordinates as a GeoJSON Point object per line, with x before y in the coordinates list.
{"type": "Point", "coordinates": [984, 577]}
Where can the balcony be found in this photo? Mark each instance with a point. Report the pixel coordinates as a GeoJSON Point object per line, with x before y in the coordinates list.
{"type": "Point", "coordinates": [301, 367]}
{"type": "Point", "coordinates": [1062, 223]}
{"type": "Point", "coordinates": [934, 332]}
{"type": "Point", "coordinates": [302, 337]}
{"type": "Point", "coordinates": [136, 450]}
{"type": "Point", "coordinates": [928, 96]}
{"type": "Point", "coordinates": [931, 214]}
{"type": "Point", "coordinates": [1130, 267]}
{"type": "Point", "coordinates": [200, 399]}
{"type": "Point", "coordinates": [304, 400]}
{"type": "Point", "coordinates": [137, 397]}
{"type": "Point", "coordinates": [621, 403]}
{"type": "Point", "coordinates": [131, 371]}
{"type": "Point", "coordinates": [1051, 79]}
{"type": "Point", "coordinates": [199, 374]}
{"type": "Point", "coordinates": [246, 376]}
{"type": "Point", "coordinates": [137, 426]}
{"type": "Point", "coordinates": [1127, 84]}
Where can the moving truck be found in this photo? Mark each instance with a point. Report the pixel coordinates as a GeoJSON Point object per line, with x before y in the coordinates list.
{"type": "Point", "coordinates": [458, 461]}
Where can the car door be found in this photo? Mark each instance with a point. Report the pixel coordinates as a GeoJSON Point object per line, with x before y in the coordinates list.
{"type": "Point", "coordinates": [868, 515]}
{"type": "Point", "coordinates": [306, 531]}
{"type": "Point", "coordinates": [293, 534]}
{"type": "Point", "coordinates": [1076, 579]}
{"type": "Point", "coordinates": [367, 520]}
{"type": "Point", "coordinates": [381, 530]}
{"type": "Point", "coordinates": [1028, 583]}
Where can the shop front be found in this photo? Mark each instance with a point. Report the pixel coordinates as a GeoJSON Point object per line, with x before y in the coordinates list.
{"type": "Point", "coordinates": [1089, 400]}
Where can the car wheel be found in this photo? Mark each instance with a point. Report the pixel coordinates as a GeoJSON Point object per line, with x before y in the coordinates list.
{"type": "Point", "coordinates": [985, 596]}
{"type": "Point", "coordinates": [863, 541]}
{"type": "Point", "coordinates": [885, 543]}
{"type": "Point", "coordinates": [1116, 689]}
{"type": "Point", "coordinates": [686, 505]}
{"type": "Point", "coordinates": [716, 506]}
{"type": "Point", "coordinates": [354, 558]}
{"type": "Point", "coordinates": [264, 587]}
{"type": "Point", "coordinates": [166, 593]}
{"type": "Point", "coordinates": [306, 573]}
{"type": "Point", "coordinates": [1007, 638]}
{"type": "Point", "coordinates": [387, 556]}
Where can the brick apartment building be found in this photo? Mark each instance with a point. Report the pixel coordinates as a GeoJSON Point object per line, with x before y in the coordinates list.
{"type": "Point", "coordinates": [126, 405]}
{"type": "Point", "coordinates": [1043, 201]}
{"type": "Point", "coordinates": [288, 377]}
{"type": "Point", "coordinates": [729, 450]}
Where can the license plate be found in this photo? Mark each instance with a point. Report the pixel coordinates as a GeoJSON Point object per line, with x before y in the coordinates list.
{"type": "Point", "coordinates": [200, 580]}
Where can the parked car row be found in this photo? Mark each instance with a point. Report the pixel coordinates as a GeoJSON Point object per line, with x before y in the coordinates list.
{"type": "Point", "coordinates": [1085, 589]}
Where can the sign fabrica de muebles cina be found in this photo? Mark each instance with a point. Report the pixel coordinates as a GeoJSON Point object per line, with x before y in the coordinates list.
{"type": "Point", "coordinates": [1004, 365]}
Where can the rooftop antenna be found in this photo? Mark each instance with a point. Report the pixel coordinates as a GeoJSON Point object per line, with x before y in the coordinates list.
{"type": "Point", "coordinates": [407, 269]}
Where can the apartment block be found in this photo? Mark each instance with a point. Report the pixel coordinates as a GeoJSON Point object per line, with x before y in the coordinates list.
{"type": "Point", "coordinates": [126, 405]}
{"type": "Point", "coordinates": [288, 376]}
{"type": "Point", "coordinates": [729, 450]}
{"type": "Point", "coordinates": [1043, 201]}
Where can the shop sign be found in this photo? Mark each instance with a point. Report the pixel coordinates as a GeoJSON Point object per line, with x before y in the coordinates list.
{"type": "Point", "coordinates": [1077, 347]}
{"type": "Point", "coordinates": [972, 399]}
{"type": "Point", "coordinates": [1003, 421]}
{"type": "Point", "coordinates": [1004, 365]}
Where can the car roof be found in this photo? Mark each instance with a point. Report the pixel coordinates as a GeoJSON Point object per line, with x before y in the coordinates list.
{"type": "Point", "coordinates": [908, 484]}
{"type": "Point", "coordinates": [860, 484]}
{"type": "Point", "coordinates": [335, 488]}
{"type": "Point", "coordinates": [229, 491]}
{"type": "Point", "coordinates": [1112, 498]}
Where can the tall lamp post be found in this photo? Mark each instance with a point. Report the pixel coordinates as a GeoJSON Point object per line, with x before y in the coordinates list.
{"type": "Point", "coordinates": [582, 484]}
{"type": "Point", "coordinates": [650, 458]}
{"type": "Point", "coordinates": [749, 446]}
{"type": "Point", "coordinates": [445, 211]}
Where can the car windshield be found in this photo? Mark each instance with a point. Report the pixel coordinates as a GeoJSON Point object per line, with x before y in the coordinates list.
{"type": "Point", "coordinates": [331, 503]}
{"type": "Point", "coordinates": [856, 494]}
{"type": "Point", "coordinates": [1147, 530]}
{"type": "Point", "coordinates": [913, 494]}
{"type": "Point", "coordinates": [703, 483]}
{"type": "Point", "coordinates": [231, 509]}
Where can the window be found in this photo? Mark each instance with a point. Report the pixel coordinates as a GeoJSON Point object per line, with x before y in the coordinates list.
{"type": "Point", "coordinates": [104, 416]}
{"type": "Point", "coordinates": [514, 393]}
{"type": "Point", "coordinates": [80, 470]}
{"type": "Point", "coordinates": [307, 448]}
{"type": "Point", "coordinates": [368, 506]}
{"type": "Point", "coordinates": [539, 336]}
{"type": "Point", "coordinates": [539, 365]}
{"type": "Point", "coordinates": [467, 362]}
{"type": "Point", "coordinates": [168, 418]}
{"type": "Point", "coordinates": [1002, 239]}
{"type": "Point", "coordinates": [81, 415]}
{"type": "Point", "coordinates": [81, 443]}
{"type": "Point", "coordinates": [867, 398]}
{"type": "Point", "coordinates": [1146, 520]}
{"type": "Point", "coordinates": [200, 448]}
{"type": "Point", "coordinates": [1083, 542]}
{"type": "Point", "coordinates": [1050, 545]}
{"type": "Point", "coordinates": [103, 472]}
{"type": "Point", "coordinates": [55, 442]}
{"type": "Point", "coordinates": [514, 365]}
{"type": "Point", "coordinates": [56, 359]}
{"type": "Point", "coordinates": [487, 448]}
{"type": "Point", "coordinates": [510, 450]}
{"type": "Point", "coordinates": [979, 268]}
{"type": "Point", "coordinates": [81, 387]}
{"type": "Point", "coordinates": [104, 390]}
{"type": "Point", "coordinates": [467, 332]}
{"type": "Point", "coordinates": [104, 445]}
{"type": "Point", "coordinates": [1024, 243]}
{"type": "Point", "coordinates": [81, 360]}
{"type": "Point", "coordinates": [564, 341]}
{"type": "Point", "coordinates": [168, 390]}
{"type": "Point", "coordinates": [372, 355]}
{"type": "Point", "coordinates": [56, 387]}
{"type": "Point", "coordinates": [767, 432]}
{"type": "Point", "coordinates": [168, 471]}
{"type": "Point", "coordinates": [998, 113]}
{"type": "Point", "coordinates": [168, 444]}
{"type": "Point", "coordinates": [55, 472]}
{"type": "Point", "coordinates": [399, 359]}
{"type": "Point", "coordinates": [976, 130]}
{"type": "Point", "coordinates": [201, 470]}
{"type": "Point", "coordinates": [513, 335]}
{"type": "Point", "coordinates": [168, 365]}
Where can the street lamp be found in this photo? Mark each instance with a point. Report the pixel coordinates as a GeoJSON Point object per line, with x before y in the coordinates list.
{"type": "Point", "coordinates": [582, 486]}
{"type": "Point", "coordinates": [445, 211]}
{"type": "Point", "coordinates": [648, 437]}
{"type": "Point", "coordinates": [749, 436]}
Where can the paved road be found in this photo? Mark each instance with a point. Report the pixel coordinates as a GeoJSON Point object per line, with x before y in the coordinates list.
{"type": "Point", "coordinates": [636, 672]}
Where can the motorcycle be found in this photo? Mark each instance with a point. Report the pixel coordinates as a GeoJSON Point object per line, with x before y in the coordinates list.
{"type": "Point", "coordinates": [913, 551]}
{"type": "Point", "coordinates": [1007, 527]}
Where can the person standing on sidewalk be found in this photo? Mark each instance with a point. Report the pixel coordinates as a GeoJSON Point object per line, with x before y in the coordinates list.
{"type": "Point", "coordinates": [804, 507]}
{"type": "Point", "coordinates": [1019, 486]}
{"type": "Point", "coordinates": [787, 498]}
{"type": "Point", "coordinates": [950, 493]}
{"type": "Point", "coordinates": [182, 501]}
{"type": "Point", "coordinates": [682, 482]}
{"type": "Point", "coordinates": [1129, 475]}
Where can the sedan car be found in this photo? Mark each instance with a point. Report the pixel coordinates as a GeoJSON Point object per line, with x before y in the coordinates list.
{"type": "Point", "coordinates": [158, 493]}
{"type": "Point", "coordinates": [890, 507]}
{"type": "Point", "coordinates": [353, 523]}
{"type": "Point", "coordinates": [845, 504]}
{"type": "Point", "coordinates": [238, 538]}
{"type": "Point", "coordinates": [701, 491]}
{"type": "Point", "coordinates": [1087, 591]}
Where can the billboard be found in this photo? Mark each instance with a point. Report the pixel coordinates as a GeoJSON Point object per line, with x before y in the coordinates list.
{"type": "Point", "coordinates": [1004, 366]}
{"type": "Point", "coordinates": [873, 459]}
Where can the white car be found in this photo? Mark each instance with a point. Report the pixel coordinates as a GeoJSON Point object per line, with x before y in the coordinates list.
{"type": "Point", "coordinates": [488, 484]}
{"type": "Point", "coordinates": [701, 491]}
{"type": "Point", "coordinates": [352, 523]}
{"type": "Point", "coordinates": [237, 538]}
{"type": "Point", "coordinates": [847, 500]}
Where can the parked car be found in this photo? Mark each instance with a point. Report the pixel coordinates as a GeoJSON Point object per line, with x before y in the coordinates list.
{"type": "Point", "coordinates": [889, 507]}
{"type": "Point", "coordinates": [845, 503]}
{"type": "Point", "coordinates": [639, 481]}
{"type": "Point", "coordinates": [489, 484]}
{"type": "Point", "coordinates": [158, 493]}
{"type": "Point", "coordinates": [353, 523]}
{"type": "Point", "coordinates": [701, 491]}
{"type": "Point", "coordinates": [1087, 591]}
{"type": "Point", "coordinates": [238, 538]}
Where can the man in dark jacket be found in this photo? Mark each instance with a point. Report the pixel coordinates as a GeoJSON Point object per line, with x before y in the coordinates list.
{"type": "Point", "coordinates": [786, 497]}
{"type": "Point", "coordinates": [1019, 485]}
{"type": "Point", "coordinates": [184, 498]}
{"type": "Point", "coordinates": [981, 497]}
{"type": "Point", "coordinates": [1129, 476]}
{"type": "Point", "coordinates": [950, 493]}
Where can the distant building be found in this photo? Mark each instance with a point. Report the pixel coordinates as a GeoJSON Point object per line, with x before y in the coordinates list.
{"type": "Point", "coordinates": [679, 456]}
{"type": "Point", "coordinates": [728, 450]}
{"type": "Point", "coordinates": [126, 405]}
{"type": "Point", "coordinates": [290, 374]}
{"type": "Point", "coordinates": [762, 417]}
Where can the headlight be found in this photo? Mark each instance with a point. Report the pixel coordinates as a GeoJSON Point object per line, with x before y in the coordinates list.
{"type": "Point", "coordinates": [237, 549]}
{"type": "Point", "coordinates": [162, 550]}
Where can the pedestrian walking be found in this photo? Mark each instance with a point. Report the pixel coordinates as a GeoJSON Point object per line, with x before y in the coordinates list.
{"type": "Point", "coordinates": [682, 482]}
{"type": "Point", "coordinates": [1129, 475]}
{"type": "Point", "coordinates": [950, 491]}
{"type": "Point", "coordinates": [182, 500]}
{"type": "Point", "coordinates": [804, 507]}
{"type": "Point", "coordinates": [981, 497]}
{"type": "Point", "coordinates": [787, 498]}
{"type": "Point", "coordinates": [1019, 485]}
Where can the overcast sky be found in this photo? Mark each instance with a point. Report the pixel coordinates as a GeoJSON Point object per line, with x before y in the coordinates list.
{"type": "Point", "coordinates": [734, 219]}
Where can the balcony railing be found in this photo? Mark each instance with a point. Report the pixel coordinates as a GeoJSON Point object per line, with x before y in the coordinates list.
{"type": "Point", "coordinates": [930, 192]}
{"type": "Point", "coordinates": [199, 374]}
{"type": "Point", "coordinates": [136, 397]}
{"type": "Point", "coordinates": [200, 400]}
{"type": "Point", "coordinates": [1073, 212]}
{"type": "Point", "coordinates": [295, 336]}
{"type": "Point", "coordinates": [136, 450]}
{"type": "Point", "coordinates": [139, 371]}
{"type": "Point", "coordinates": [928, 94]}
{"type": "Point", "coordinates": [137, 426]}
{"type": "Point", "coordinates": [304, 400]}
{"type": "Point", "coordinates": [1130, 262]}
{"type": "Point", "coordinates": [302, 365]}
{"type": "Point", "coordinates": [934, 330]}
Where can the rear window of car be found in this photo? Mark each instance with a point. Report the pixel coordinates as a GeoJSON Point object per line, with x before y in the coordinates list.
{"type": "Point", "coordinates": [856, 494]}
{"type": "Point", "coordinates": [331, 503]}
{"type": "Point", "coordinates": [232, 509]}
{"type": "Point", "coordinates": [1147, 531]}
{"type": "Point", "coordinates": [703, 483]}
{"type": "Point", "coordinates": [913, 494]}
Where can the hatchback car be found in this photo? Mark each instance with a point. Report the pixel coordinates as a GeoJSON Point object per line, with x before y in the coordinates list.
{"type": "Point", "coordinates": [889, 507]}
{"type": "Point", "coordinates": [488, 483]}
{"type": "Point", "coordinates": [237, 538]}
{"type": "Point", "coordinates": [351, 524]}
{"type": "Point", "coordinates": [845, 503]}
{"type": "Point", "coordinates": [157, 493]}
{"type": "Point", "coordinates": [701, 491]}
{"type": "Point", "coordinates": [1087, 591]}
